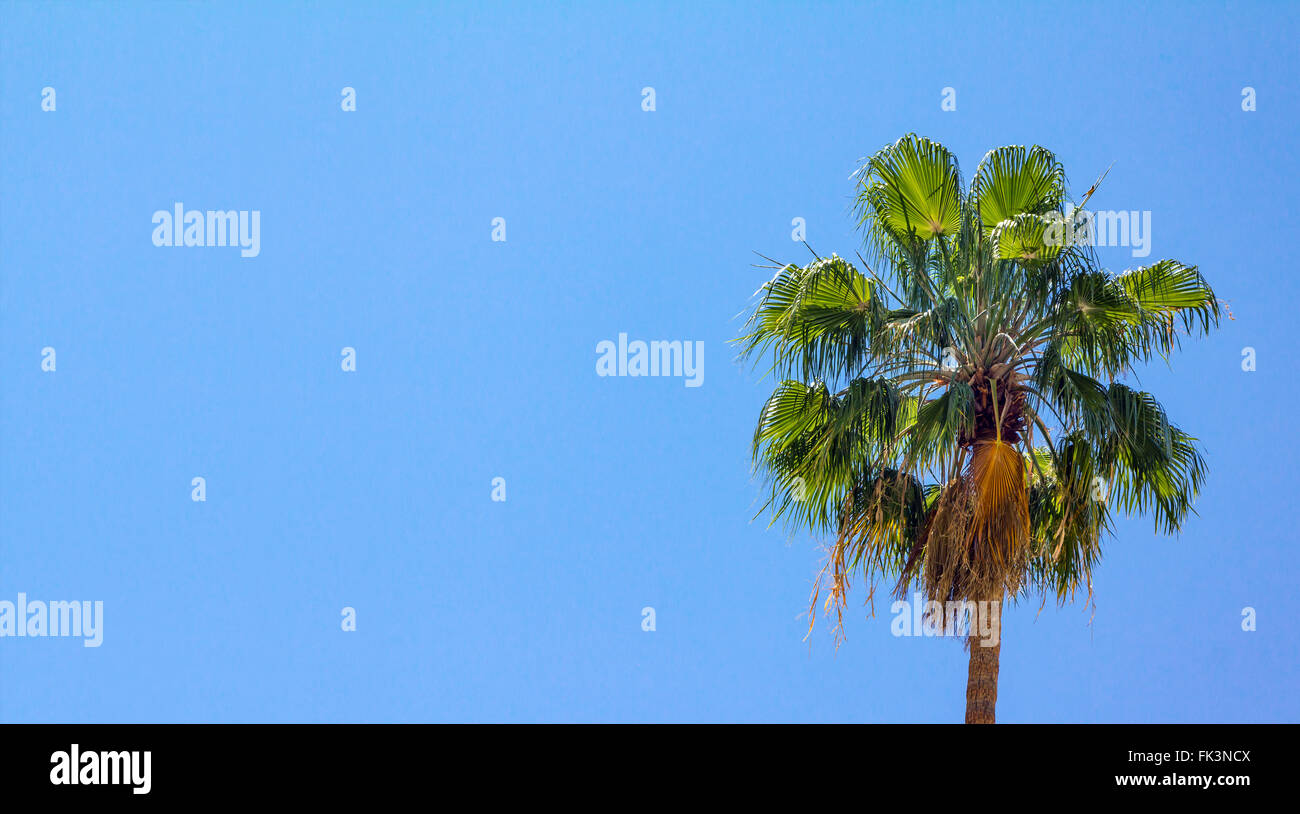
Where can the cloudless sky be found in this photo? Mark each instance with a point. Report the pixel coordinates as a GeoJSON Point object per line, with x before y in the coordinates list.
{"type": "Point", "coordinates": [476, 359]}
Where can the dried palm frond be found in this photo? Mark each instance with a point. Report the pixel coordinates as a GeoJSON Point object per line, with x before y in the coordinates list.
{"type": "Point", "coordinates": [978, 539]}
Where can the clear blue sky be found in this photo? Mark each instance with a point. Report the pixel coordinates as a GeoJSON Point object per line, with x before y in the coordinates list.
{"type": "Point", "coordinates": [476, 359]}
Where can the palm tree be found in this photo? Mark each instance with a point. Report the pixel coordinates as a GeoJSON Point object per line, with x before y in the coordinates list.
{"type": "Point", "coordinates": [954, 418]}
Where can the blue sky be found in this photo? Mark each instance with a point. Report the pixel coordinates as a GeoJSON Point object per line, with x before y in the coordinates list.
{"type": "Point", "coordinates": [476, 359]}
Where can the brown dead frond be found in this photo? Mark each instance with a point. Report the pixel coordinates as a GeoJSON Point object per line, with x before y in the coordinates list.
{"type": "Point", "coordinates": [978, 540]}
{"type": "Point", "coordinates": [869, 519]}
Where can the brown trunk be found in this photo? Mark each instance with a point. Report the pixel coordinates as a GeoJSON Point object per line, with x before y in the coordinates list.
{"type": "Point", "coordinates": [982, 677]}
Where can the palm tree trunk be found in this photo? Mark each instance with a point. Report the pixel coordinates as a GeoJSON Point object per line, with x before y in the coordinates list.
{"type": "Point", "coordinates": [982, 676]}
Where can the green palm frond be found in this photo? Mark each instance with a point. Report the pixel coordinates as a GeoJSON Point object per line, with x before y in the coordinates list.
{"type": "Point", "coordinates": [911, 190]}
{"type": "Point", "coordinates": [1013, 181]}
{"type": "Point", "coordinates": [816, 319]}
{"type": "Point", "coordinates": [1023, 239]}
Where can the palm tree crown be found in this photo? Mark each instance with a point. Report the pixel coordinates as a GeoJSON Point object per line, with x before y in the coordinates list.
{"type": "Point", "coordinates": [952, 412]}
